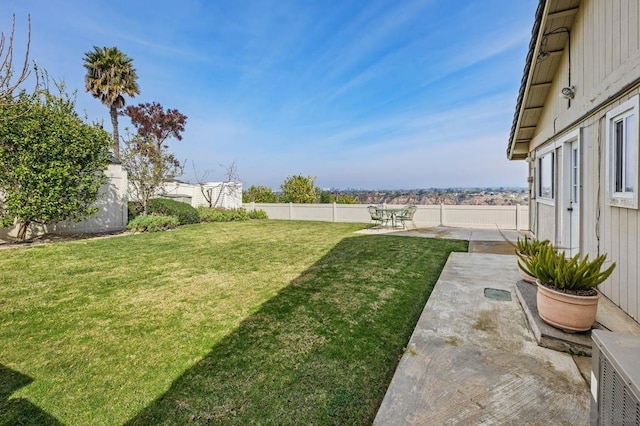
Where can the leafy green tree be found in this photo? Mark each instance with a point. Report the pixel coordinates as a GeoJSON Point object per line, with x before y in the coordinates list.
{"type": "Point", "coordinates": [110, 76]}
{"type": "Point", "coordinates": [345, 199]}
{"type": "Point", "coordinates": [327, 197]}
{"type": "Point", "coordinates": [146, 157]}
{"type": "Point", "coordinates": [300, 189]}
{"type": "Point", "coordinates": [51, 162]}
{"type": "Point", "coordinates": [258, 194]}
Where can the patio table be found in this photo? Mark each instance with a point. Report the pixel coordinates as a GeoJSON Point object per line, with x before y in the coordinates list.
{"type": "Point", "coordinates": [390, 213]}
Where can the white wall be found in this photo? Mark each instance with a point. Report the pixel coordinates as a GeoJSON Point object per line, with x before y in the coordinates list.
{"type": "Point", "coordinates": [505, 217]}
{"type": "Point", "coordinates": [111, 216]}
{"type": "Point", "coordinates": [224, 194]}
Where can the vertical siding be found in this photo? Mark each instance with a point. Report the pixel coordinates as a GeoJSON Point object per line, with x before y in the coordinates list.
{"type": "Point", "coordinates": [546, 229]}
{"type": "Point", "coordinates": [618, 228]}
{"type": "Point", "coordinates": [605, 55]}
{"type": "Point", "coordinates": [630, 293]}
{"type": "Point", "coordinates": [624, 29]}
{"type": "Point", "coordinates": [616, 232]}
{"type": "Point", "coordinates": [634, 30]}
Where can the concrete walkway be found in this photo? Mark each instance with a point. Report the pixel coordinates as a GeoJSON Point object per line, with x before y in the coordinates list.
{"type": "Point", "coordinates": [469, 234]}
{"type": "Point", "coordinates": [473, 360]}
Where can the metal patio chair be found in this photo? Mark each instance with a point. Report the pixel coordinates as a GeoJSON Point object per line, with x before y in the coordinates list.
{"type": "Point", "coordinates": [377, 216]}
{"type": "Point", "coordinates": [407, 216]}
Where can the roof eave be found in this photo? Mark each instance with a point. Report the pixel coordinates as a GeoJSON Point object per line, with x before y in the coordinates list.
{"type": "Point", "coordinates": [534, 45]}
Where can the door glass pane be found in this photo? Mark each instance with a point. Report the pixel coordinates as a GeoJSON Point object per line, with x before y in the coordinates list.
{"type": "Point", "coordinates": [546, 176]}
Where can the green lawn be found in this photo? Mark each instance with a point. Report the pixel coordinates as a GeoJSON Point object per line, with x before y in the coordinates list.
{"type": "Point", "coordinates": [263, 322]}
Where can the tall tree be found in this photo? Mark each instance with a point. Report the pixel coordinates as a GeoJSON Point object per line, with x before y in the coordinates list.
{"type": "Point", "coordinates": [258, 194]}
{"type": "Point", "coordinates": [146, 156]}
{"type": "Point", "coordinates": [110, 76]}
{"type": "Point", "coordinates": [51, 162]}
{"type": "Point", "coordinates": [300, 189]}
{"type": "Point", "coordinates": [9, 81]}
{"type": "Point", "coordinates": [336, 197]}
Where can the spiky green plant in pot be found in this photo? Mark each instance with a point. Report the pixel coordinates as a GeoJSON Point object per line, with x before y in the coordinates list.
{"type": "Point", "coordinates": [554, 269]}
{"type": "Point", "coordinates": [528, 246]}
{"type": "Point", "coordinates": [566, 297]}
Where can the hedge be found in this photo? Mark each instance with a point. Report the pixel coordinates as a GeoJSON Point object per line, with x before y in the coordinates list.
{"type": "Point", "coordinates": [185, 213]}
{"type": "Point", "coordinates": [208, 214]}
{"type": "Point", "coordinates": [152, 223]}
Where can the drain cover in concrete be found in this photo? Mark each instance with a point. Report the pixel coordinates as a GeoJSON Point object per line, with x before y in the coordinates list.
{"type": "Point", "coordinates": [495, 294]}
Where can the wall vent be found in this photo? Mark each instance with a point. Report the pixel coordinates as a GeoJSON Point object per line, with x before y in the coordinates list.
{"type": "Point", "coordinates": [615, 379]}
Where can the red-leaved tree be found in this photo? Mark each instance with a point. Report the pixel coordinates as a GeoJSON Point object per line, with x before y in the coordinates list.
{"type": "Point", "coordinates": [146, 155]}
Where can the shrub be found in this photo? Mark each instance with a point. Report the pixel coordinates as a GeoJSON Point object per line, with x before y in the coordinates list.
{"type": "Point", "coordinates": [134, 210]}
{"type": "Point", "coordinates": [185, 213]}
{"type": "Point", "coordinates": [258, 214]}
{"type": "Point", "coordinates": [152, 223]}
{"type": "Point", "coordinates": [218, 214]}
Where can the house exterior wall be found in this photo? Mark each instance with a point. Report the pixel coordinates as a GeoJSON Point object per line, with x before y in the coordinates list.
{"type": "Point", "coordinates": [605, 68]}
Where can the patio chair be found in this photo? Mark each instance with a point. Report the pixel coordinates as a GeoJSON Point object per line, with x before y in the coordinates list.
{"type": "Point", "coordinates": [377, 216]}
{"type": "Point", "coordinates": [407, 216]}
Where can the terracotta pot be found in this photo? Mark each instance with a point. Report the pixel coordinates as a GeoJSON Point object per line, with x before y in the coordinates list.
{"type": "Point", "coordinates": [526, 277]}
{"type": "Point", "coordinates": [566, 311]}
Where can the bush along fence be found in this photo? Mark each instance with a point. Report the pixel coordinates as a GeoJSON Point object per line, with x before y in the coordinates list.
{"type": "Point", "coordinates": [163, 214]}
{"type": "Point", "coordinates": [461, 216]}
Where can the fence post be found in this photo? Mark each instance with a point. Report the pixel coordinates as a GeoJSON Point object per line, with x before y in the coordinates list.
{"type": "Point", "coordinates": [253, 205]}
{"type": "Point", "coordinates": [335, 212]}
{"type": "Point", "coordinates": [290, 211]}
{"type": "Point", "coordinates": [441, 214]}
{"type": "Point", "coordinates": [517, 217]}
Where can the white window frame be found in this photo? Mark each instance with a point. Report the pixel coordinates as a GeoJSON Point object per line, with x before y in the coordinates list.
{"type": "Point", "coordinates": [547, 155]}
{"type": "Point", "coordinates": [622, 154]}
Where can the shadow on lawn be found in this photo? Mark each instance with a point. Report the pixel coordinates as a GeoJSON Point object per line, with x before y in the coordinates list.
{"type": "Point", "coordinates": [323, 350]}
{"type": "Point", "coordinates": [19, 411]}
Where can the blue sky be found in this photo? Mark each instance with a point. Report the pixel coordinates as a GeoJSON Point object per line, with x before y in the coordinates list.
{"type": "Point", "coordinates": [360, 94]}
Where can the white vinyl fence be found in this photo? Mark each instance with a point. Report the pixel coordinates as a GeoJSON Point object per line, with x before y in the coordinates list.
{"type": "Point", "coordinates": [505, 217]}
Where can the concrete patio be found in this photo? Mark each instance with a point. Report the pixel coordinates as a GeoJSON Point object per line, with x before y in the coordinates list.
{"type": "Point", "coordinates": [472, 358]}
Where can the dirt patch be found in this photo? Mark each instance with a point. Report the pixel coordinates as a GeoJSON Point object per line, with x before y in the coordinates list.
{"type": "Point", "coordinates": [454, 341]}
{"type": "Point", "coordinates": [486, 322]}
{"type": "Point", "coordinates": [56, 238]}
{"type": "Point", "coordinates": [491, 247]}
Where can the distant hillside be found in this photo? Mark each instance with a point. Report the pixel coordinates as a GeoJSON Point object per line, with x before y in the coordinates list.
{"type": "Point", "coordinates": [449, 196]}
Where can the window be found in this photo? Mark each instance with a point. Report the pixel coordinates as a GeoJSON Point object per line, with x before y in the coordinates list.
{"type": "Point", "coordinates": [546, 176]}
{"type": "Point", "coordinates": [622, 155]}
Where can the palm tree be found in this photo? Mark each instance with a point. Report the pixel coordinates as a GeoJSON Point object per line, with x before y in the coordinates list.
{"type": "Point", "coordinates": [110, 75]}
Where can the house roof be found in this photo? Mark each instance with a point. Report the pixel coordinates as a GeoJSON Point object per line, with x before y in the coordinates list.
{"type": "Point", "coordinates": [549, 36]}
